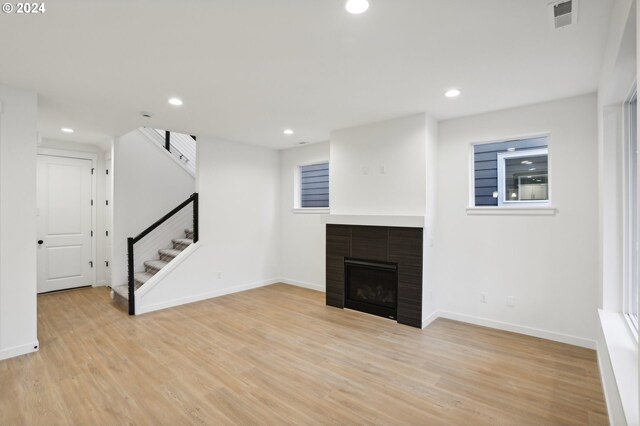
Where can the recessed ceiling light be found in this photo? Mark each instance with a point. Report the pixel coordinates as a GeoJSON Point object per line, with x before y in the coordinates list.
{"type": "Point", "coordinates": [532, 169]}
{"type": "Point", "coordinates": [302, 143]}
{"type": "Point", "coordinates": [288, 131]}
{"type": "Point", "coordinates": [66, 130]}
{"type": "Point", "coordinates": [175, 101]}
{"type": "Point", "coordinates": [452, 93]}
{"type": "Point", "coordinates": [357, 7]}
{"type": "Point", "coordinates": [511, 149]}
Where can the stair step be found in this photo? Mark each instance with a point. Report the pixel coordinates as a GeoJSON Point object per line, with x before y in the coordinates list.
{"type": "Point", "coordinates": [141, 278]}
{"type": "Point", "coordinates": [168, 254]}
{"type": "Point", "coordinates": [121, 294]}
{"type": "Point", "coordinates": [181, 243]}
{"type": "Point", "coordinates": [188, 233]}
{"type": "Point", "coordinates": [153, 266]}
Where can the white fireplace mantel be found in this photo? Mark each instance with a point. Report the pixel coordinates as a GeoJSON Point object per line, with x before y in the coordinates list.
{"type": "Point", "coordinates": [374, 220]}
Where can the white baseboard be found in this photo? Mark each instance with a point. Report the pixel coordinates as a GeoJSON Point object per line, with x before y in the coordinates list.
{"type": "Point", "coordinates": [529, 331]}
{"type": "Point", "coordinates": [19, 350]}
{"type": "Point", "coordinates": [431, 318]}
{"type": "Point", "coordinates": [310, 286]}
{"type": "Point", "coordinates": [202, 296]}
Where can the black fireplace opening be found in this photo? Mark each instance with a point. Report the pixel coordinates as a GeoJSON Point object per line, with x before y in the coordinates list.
{"type": "Point", "coordinates": [371, 287]}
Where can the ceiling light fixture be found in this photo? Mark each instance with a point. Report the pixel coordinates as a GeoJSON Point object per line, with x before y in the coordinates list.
{"type": "Point", "coordinates": [511, 149]}
{"type": "Point", "coordinates": [452, 93]}
{"type": "Point", "coordinates": [175, 101]}
{"type": "Point", "coordinates": [288, 132]}
{"type": "Point", "coordinates": [357, 7]}
{"type": "Point", "coordinates": [67, 130]}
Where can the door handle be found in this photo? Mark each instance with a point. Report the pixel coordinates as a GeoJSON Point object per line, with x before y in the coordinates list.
{"type": "Point", "coordinates": [40, 242]}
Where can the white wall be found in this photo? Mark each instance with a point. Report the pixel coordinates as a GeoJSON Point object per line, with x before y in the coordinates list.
{"type": "Point", "coordinates": [548, 263]}
{"type": "Point", "coordinates": [239, 244]}
{"type": "Point", "coordinates": [358, 184]}
{"type": "Point", "coordinates": [302, 234]}
{"type": "Point", "coordinates": [100, 226]}
{"type": "Point", "coordinates": [148, 184]}
{"type": "Point", "coordinates": [18, 317]}
{"type": "Point", "coordinates": [429, 267]}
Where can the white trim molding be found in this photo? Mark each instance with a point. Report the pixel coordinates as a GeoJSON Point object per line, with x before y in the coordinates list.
{"type": "Point", "coordinates": [515, 328]}
{"type": "Point", "coordinates": [310, 210]}
{"type": "Point", "coordinates": [374, 220]}
{"type": "Point", "coordinates": [19, 350]}
{"type": "Point", "coordinates": [203, 296]}
{"type": "Point", "coordinates": [431, 318]}
{"type": "Point", "coordinates": [317, 287]}
{"type": "Point", "coordinates": [511, 211]}
{"type": "Point", "coordinates": [620, 354]}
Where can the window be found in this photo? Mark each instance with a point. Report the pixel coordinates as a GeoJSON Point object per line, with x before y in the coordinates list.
{"type": "Point", "coordinates": [511, 173]}
{"type": "Point", "coordinates": [631, 210]}
{"type": "Point", "coordinates": [313, 186]}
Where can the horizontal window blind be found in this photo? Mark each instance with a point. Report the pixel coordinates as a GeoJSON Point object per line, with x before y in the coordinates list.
{"type": "Point", "coordinates": [314, 185]}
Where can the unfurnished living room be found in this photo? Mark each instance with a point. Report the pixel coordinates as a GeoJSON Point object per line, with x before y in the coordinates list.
{"type": "Point", "coordinates": [386, 212]}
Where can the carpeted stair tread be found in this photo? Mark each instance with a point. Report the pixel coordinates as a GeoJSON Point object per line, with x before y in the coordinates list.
{"type": "Point", "coordinates": [142, 277]}
{"type": "Point", "coordinates": [183, 241]}
{"type": "Point", "coordinates": [169, 252]}
{"type": "Point", "coordinates": [122, 291]}
{"type": "Point", "coordinates": [155, 265]}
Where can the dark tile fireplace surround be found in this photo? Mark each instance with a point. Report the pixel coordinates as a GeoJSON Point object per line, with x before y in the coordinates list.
{"type": "Point", "coordinates": [376, 269]}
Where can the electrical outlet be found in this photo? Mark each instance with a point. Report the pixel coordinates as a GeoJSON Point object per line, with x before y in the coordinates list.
{"type": "Point", "coordinates": [483, 297]}
{"type": "Point", "coordinates": [511, 301]}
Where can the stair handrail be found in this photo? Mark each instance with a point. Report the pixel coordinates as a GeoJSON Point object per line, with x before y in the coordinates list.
{"type": "Point", "coordinates": [132, 240]}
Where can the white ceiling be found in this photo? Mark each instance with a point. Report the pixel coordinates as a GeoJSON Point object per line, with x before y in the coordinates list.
{"type": "Point", "coordinates": [247, 69]}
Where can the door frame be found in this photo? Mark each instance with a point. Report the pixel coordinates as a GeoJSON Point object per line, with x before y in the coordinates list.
{"type": "Point", "coordinates": [55, 152]}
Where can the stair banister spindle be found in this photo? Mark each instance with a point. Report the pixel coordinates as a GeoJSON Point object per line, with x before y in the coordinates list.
{"type": "Point", "coordinates": [195, 218]}
{"type": "Point", "coordinates": [132, 302]}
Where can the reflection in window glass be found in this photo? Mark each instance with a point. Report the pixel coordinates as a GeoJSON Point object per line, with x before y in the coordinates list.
{"type": "Point", "coordinates": [511, 172]}
{"type": "Point", "coordinates": [526, 178]}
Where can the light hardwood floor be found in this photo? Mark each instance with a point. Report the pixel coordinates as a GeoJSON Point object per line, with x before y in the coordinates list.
{"type": "Point", "coordinates": [278, 355]}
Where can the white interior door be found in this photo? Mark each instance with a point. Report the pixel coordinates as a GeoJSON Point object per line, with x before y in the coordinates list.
{"type": "Point", "coordinates": [64, 223]}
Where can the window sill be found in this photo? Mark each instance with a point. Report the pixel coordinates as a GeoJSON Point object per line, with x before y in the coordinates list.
{"type": "Point", "coordinates": [512, 211]}
{"type": "Point", "coordinates": [622, 348]}
{"type": "Point", "coordinates": [311, 210]}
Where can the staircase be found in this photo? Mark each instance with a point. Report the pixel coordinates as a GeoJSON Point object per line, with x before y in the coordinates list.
{"type": "Point", "coordinates": [121, 293]}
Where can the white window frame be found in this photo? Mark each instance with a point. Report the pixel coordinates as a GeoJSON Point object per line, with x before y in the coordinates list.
{"type": "Point", "coordinates": [297, 189]}
{"type": "Point", "coordinates": [631, 193]}
{"type": "Point", "coordinates": [502, 197]}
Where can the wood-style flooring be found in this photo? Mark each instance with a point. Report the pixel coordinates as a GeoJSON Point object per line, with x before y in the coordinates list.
{"type": "Point", "coordinates": [278, 355]}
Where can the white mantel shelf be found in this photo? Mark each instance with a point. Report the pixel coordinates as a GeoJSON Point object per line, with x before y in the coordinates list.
{"type": "Point", "coordinates": [374, 220]}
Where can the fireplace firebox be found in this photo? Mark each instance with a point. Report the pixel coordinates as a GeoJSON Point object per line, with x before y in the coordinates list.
{"type": "Point", "coordinates": [371, 287]}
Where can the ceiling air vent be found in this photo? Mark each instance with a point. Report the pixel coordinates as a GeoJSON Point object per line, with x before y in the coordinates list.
{"type": "Point", "coordinates": [563, 13]}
